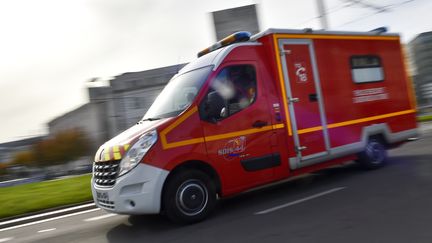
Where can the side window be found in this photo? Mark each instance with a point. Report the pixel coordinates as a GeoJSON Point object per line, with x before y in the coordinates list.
{"type": "Point", "coordinates": [233, 90]}
{"type": "Point", "coordinates": [366, 69]}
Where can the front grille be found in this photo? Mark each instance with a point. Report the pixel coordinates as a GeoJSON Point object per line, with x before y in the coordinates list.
{"type": "Point", "coordinates": [105, 204]}
{"type": "Point", "coordinates": [105, 173]}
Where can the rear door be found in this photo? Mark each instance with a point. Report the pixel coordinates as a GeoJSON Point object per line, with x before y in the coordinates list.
{"type": "Point", "coordinates": [304, 98]}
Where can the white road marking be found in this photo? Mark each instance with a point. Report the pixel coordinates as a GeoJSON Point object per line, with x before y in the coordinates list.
{"type": "Point", "coordinates": [100, 217]}
{"type": "Point", "coordinates": [6, 239]}
{"type": "Point", "coordinates": [299, 201]}
{"type": "Point", "coordinates": [46, 214]}
{"type": "Point", "coordinates": [46, 230]}
{"type": "Point", "coordinates": [4, 182]}
{"type": "Point", "coordinates": [50, 219]}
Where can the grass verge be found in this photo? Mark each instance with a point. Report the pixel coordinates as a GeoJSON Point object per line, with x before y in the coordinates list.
{"type": "Point", "coordinates": [424, 118]}
{"type": "Point", "coordinates": [16, 200]}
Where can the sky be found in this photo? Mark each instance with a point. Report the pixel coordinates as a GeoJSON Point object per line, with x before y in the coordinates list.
{"type": "Point", "coordinates": [50, 49]}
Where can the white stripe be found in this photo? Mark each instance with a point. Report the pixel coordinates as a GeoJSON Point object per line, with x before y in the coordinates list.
{"type": "Point", "coordinates": [50, 219]}
{"type": "Point", "coordinates": [299, 201]}
{"type": "Point", "coordinates": [46, 230]}
{"type": "Point", "coordinates": [21, 179]}
{"type": "Point", "coordinates": [46, 214]}
{"type": "Point", "coordinates": [6, 239]}
{"type": "Point", "coordinates": [100, 217]}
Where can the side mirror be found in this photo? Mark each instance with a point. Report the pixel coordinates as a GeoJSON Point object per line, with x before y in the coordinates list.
{"type": "Point", "coordinates": [213, 107]}
{"type": "Point", "coordinates": [224, 112]}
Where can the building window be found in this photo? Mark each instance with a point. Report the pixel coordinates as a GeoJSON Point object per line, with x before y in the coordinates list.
{"type": "Point", "coordinates": [366, 69]}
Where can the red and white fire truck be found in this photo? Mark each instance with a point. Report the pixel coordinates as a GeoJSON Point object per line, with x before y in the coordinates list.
{"type": "Point", "coordinates": [255, 110]}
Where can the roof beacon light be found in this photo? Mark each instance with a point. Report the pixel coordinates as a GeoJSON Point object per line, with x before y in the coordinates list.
{"type": "Point", "coordinates": [240, 36]}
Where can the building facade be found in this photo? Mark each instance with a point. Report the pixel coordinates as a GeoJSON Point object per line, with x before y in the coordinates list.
{"type": "Point", "coordinates": [231, 20]}
{"type": "Point", "coordinates": [85, 118]}
{"type": "Point", "coordinates": [128, 97]}
{"type": "Point", "coordinates": [421, 54]}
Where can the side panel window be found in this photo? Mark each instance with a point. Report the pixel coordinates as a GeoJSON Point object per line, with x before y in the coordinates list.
{"type": "Point", "coordinates": [233, 90]}
{"type": "Point", "coordinates": [366, 69]}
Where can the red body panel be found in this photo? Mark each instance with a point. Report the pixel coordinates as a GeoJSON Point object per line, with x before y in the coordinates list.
{"type": "Point", "coordinates": [338, 87]}
{"type": "Point", "coordinates": [188, 138]}
{"type": "Point", "coordinates": [302, 84]}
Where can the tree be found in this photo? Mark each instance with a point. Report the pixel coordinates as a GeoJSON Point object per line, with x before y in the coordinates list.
{"type": "Point", "coordinates": [63, 147]}
{"type": "Point", "coordinates": [24, 158]}
{"type": "Point", "coordinates": [3, 167]}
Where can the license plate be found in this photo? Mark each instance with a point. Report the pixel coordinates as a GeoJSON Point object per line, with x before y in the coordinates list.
{"type": "Point", "coordinates": [103, 196]}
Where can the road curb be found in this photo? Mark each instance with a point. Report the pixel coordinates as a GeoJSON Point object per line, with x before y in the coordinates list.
{"type": "Point", "coordinates": [45, 214]}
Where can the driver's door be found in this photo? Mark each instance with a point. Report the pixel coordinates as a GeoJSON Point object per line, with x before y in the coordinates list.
{"type": "Point", "coordinates": [237, 132]}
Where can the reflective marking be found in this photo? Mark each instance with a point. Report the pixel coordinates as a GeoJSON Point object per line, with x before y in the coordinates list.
{"type": "Point", "coordinates": [116, 152]}
{"type": "Point", "coordinates": [100, 217]}
{"type": "Point", "coordinates": [278, 126]}
{"type": "Point", "coordinates": [46, 230]}
{"type": "Point", "coordinates": [6, 239]}
{"type": "Point", "coordinates": [239, 133]}
{"type": "Point", "coordinates": [106, 155]}
{"type": "Point", "coordinates": [185, 142]}
{"type": "Point", "coordinates": [117, 156]}
{"type": "Point", "coordinates": [163, 133]}
{"type": "Point", "coordinates": [350, 122]}
{"type": "Point", "coordinates": [50, 219]}
{"type": "Point", "coordinates": [299, 201]}
{"type": "Point", "coordinates": [167, 145]}
{"type": "Point", "coordinates": [341, 37]}
{"type": "Point", "coordinates": [311, 129]}
{"type": "Point", "coordinates": [282, 85]}
{"type": "Point", "coordinates": [46, 214]}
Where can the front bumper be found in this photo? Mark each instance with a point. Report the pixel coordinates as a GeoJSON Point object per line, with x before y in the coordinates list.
{"type": "Point", "coordinates": [137, 192]}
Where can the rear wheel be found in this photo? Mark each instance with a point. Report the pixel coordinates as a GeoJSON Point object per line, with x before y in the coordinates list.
{"type": "Point", "coordinates": [189, 196]}
{"type": "Point", "coordinates": [374, 155]}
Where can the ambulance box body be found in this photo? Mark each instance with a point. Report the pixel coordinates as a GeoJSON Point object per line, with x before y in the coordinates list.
{"type": "Point", "coordinates": [256, 110]}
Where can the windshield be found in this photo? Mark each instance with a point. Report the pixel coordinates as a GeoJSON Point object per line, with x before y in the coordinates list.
{"type": "Point", "coordinates": [178, 94]}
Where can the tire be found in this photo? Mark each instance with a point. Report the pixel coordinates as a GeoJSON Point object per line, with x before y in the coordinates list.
{"type": "Point", "coordinates": [374, 156]}
{"type": "Point", "coordinates": [189, 197]}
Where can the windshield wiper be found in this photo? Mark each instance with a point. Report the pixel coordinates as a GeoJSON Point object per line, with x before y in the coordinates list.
{"type": "Point", "coordinates": [151, 119]}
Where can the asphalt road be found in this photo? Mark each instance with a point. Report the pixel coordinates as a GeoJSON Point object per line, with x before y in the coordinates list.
{"type": "Point", "coordinates": [341, 204]}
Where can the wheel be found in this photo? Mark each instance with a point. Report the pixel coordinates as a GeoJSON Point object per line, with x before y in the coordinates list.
{"type": "Point", "coordinates": [189, 197]}
{"type": "Point", "coordinates": [374, 155]}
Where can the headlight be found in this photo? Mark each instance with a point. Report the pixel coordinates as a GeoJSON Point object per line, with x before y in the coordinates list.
{"type": "Point", "coordinates": [137, 152]}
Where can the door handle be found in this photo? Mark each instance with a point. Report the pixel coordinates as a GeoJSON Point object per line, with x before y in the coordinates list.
{"type": "Point", "coordinates": [293, 100]}
{"type": "Point", "coordinates": [313, 97]}
{"type": "Point", "coordinates": [259, 124]}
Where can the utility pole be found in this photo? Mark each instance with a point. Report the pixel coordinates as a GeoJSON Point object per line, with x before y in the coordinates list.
{"type": "Point", "coordinates": [322, 14]}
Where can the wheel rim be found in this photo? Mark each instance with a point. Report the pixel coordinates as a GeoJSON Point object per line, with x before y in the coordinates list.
{"type": "Point", "coordinates": [375, 152]}
{"type": "Point", "coordinates": [192, 197]}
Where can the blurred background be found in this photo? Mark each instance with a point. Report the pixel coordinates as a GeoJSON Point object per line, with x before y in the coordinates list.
{"type": "Point", "coordinates": [74, 74]}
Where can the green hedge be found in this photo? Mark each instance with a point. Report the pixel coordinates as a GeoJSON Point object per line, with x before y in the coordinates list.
{"type": "Point", "coordinates": [424, 118]}
{"type": "Point", "coordinates": [20, 199]}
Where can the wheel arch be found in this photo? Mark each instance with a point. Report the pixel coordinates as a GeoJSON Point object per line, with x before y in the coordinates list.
{"type": "Point", "coordinates": [194, 165]}
{"type": "Point", "coordinates": [377, 131]}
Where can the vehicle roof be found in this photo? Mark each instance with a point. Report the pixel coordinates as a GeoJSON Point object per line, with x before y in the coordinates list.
{"type": "Point", "coordinates": [214, 58]}
{"type": "Point", "coordinates": [308, 31]}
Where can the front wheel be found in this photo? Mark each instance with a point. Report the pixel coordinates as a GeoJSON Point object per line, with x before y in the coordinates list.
{"type": "Point", "coordinates": [374, 155]}
{"type": "Point", "coordinates": [189, 197]}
